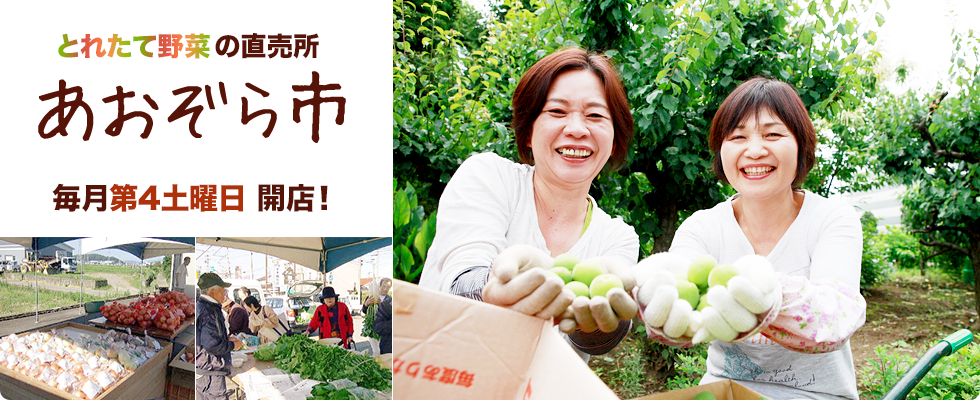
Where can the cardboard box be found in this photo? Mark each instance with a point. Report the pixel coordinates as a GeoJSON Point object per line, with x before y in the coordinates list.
{"type": "Point", "coordinates": [182, 372]}
{"type": "Point", "coordinates": [723, 390]}
{"type": "Point", "coordinates": [147, 382]}
{"type": "Point", "coordinates": [450, 347]}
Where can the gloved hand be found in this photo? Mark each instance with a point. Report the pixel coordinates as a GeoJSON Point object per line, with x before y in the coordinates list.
{"type": "Point", "coordinates": [603, 312]}
{"type": "Point", "coordinates": [520, 280]}
{"type": "Point", "coordinates": [743, 304]}
{"type": "Point", "coordinates": [739, 306]}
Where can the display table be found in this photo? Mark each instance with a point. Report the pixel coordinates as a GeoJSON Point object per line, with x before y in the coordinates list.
{"type": "Point", "coordinates": [147, 382]}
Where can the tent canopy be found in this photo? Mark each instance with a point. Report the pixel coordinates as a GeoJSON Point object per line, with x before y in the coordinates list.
{"type": "Point", "coordinates": [143, 248]}
{"type": "Point", "coordinates": [37, 243]}
{"type": "Point", "coordinates": [140, 247]}
{"type": "Point", "coordinates": [322, 254]}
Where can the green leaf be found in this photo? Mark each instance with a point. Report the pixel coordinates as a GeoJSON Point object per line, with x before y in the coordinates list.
{"type": "Point", "coordinates": [703, 15]}
{"type": "Point", "coordinates": [403, 213]}
{"type": "Point", "coordinates": [806, 37]}
{"type": "Point", "coordinates": [812, 9]}
{"type": "Point", "coordinates": [880, 18]}
{"type": "Point", "coordinates": [668, 56]}
{"type": "Point", "coordinates": [669, 102]}
{"type": "Point", "coordinates": [694, 52]}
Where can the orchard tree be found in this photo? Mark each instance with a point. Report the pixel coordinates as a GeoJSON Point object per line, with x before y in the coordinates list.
{"type": "Point", "coordinates": [679, 60]}
{"type": "Point", "coordinates": [932, 145]}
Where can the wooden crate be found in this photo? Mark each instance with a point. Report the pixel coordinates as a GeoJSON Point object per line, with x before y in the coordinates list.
{"type": "Point", "coordinates": [148, 382]}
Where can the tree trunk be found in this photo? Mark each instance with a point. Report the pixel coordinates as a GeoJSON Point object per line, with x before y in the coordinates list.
{"type": "Point", "coordinates": [667, 222]}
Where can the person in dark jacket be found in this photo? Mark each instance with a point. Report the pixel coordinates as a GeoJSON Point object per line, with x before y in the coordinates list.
{"type": "Point", "coordinates": [332, 318]}
{"type": "Point", "coordinates": [237, 318]}
{"type": "Point", "coordinates": [382, 317]}
{"type": "Point", "coordinates": [382, 325]}
{"type": "Point", "coordinates": [214, 347]}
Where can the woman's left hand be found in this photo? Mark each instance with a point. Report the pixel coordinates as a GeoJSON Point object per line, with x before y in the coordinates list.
{"type": "Point", "coordinates": [603, 312]}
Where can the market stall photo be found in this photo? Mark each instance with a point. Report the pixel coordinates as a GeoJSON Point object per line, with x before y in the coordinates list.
{"type": "Point", "coordinates": [293, 318]}
{"type": "Point", "coordinates": [64, 337]}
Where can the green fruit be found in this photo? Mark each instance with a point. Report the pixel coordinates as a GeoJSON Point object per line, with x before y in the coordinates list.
{"type": "Point", "coordinates": [586, 271]}
{"type": "Point", "coordinates": [705, 395]}
{"type": "Point", "coordinates": [703, 302]}
{"type": "Point", "coordinates": [698, 272]}
{"type": "Point", "coordinates": [578, 288]}
{"type": "Point", "coordinates": [688, 291]}
{"type": "Point", "coordinates": [563, 273]}
{"type": "Point", "coordinates": [602, 283]}
{"type": "Point", "coordinates": [721, 274]}
{"type": "Point", "coordinates": [566, 261]}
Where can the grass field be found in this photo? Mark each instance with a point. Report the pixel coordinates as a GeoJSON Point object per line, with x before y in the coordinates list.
{"type": "Point", "coordinates": [131, 275]}
{"type": "Point", "coordinates": [20, 299]}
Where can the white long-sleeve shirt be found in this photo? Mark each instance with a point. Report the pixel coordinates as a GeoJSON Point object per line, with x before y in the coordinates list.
{"type": "Point", "coordinates": [488, 206]}
{"type": "Point", "coordinates": [820, 253]}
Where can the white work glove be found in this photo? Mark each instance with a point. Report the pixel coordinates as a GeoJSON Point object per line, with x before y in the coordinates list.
{"type": "Point", "coordinates": [521, 281]}
{"type": "Point", "coordinates": [603, 312]}
{"type": "Point", "coordinates": [739, 307]}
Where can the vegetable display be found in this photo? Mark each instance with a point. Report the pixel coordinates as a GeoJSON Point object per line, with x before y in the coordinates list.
{"type": "Point", "coordinates": [165, 311]}
{"type": "Point", "coordinates": [85, 367]}
{"type": "Point", "coordinates": [302, 355]}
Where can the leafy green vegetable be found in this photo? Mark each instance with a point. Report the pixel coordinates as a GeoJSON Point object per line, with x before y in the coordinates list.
{"type": "Point", "coordinates": [265, 352]}
{"type": "Point", "coordinates": [368, 329]}
{"type": "Point", "coordinates": [301, 355]}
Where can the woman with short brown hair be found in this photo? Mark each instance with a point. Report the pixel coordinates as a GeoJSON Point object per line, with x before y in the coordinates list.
{"type": "Point", "coordinates": [497, 217]}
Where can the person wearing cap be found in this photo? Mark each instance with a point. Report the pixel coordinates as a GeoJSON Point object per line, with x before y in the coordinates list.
{"type": "Point", "coordinates": [332, 318]}
{"type": "Point", "coordinates": [214, 347]}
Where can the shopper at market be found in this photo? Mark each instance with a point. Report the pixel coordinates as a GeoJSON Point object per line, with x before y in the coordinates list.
{"type": "Point", "coordinates": [214, 346]}
{"type": "Point", "coordinates": [383, 287]}
{"type": "Point", "coordinates": [263, 321]}
{"type": "Point", "coordinates": [382, 317]}
{"type": "Point", "coordinates": [764, 145]}
{"type": "Point", "coordinates": [571, 121]}
{"type": "Point", "coordinates": [237, 317]}
{"type": "Point", "coordinates": [332, 318]}
{"type": "Point", "coordinates": [382, 325]}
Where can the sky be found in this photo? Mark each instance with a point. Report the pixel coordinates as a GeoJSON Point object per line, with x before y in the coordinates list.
{"type": "Point", "coordinates": [244, 258]}
{"type": "Point", "coordinates": [915, 32]}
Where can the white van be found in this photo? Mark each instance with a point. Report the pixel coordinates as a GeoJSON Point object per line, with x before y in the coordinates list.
{"type": "Point", "coordinates": [254, 287]}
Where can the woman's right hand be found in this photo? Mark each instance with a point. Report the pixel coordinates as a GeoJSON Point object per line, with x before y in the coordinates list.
{"type": "Point", "coordinates": [520, 280]}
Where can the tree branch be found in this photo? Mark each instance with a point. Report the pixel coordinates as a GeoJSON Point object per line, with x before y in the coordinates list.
{"type": "Point", "coordinates": [946, 245]}
{"type": "Point", "coordinates": [934, 228]}
{"type": "Point", "coordinates": [938, 253]}
{"type": "Point", "coordinates": [923, 128]}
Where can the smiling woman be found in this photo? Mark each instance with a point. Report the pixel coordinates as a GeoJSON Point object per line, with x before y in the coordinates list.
{"type": "Point", "coordinates": [764, 145]}
{"type": "Point", "coordinates": [571, 120]}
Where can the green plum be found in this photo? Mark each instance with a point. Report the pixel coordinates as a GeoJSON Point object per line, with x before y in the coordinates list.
{"type": "Point", "coordinates": [688, 291]}
{"type": "Point", "coordinates": [587, 270]}
{"type": "Point", "coordinates": [563, 273]}
{"type": "Point", "coordinates": [705, 395]}
{"type": "Point", "coordinates": [578, 288]}
{"type": "Point", "coordinates": [566, 261]}
{"type": "Point", "coordinates": [721, 274]}
{"type": "Point", "coordinates": [703, 302]}
{"type": "Point", "coordinates": [602, 283]}
{"type": "Point", "coordinates": [698, 272]}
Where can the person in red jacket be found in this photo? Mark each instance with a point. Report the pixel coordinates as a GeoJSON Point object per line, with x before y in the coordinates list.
{"type": "Point", "coordinates": [332, 318]}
